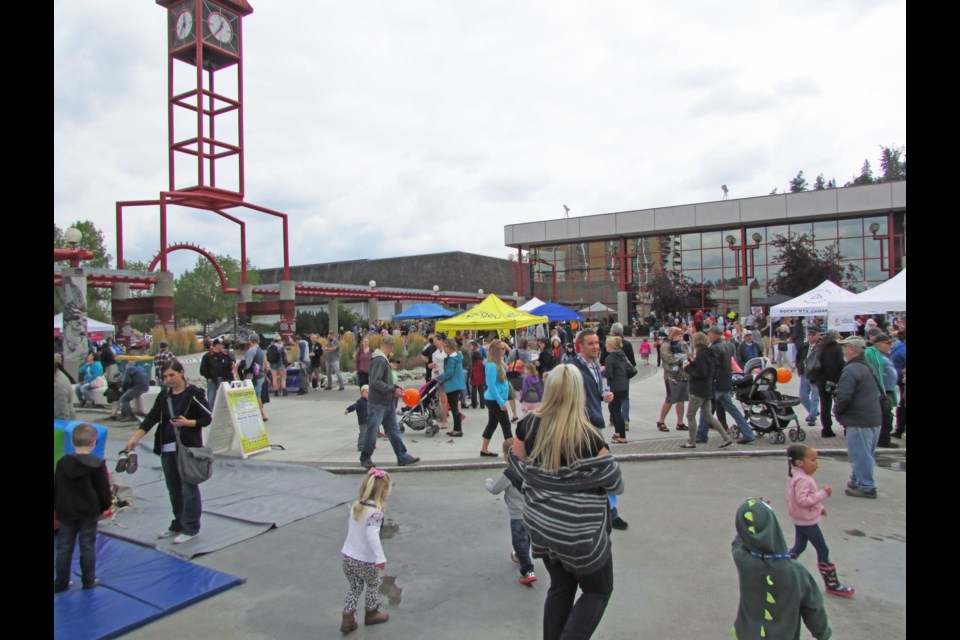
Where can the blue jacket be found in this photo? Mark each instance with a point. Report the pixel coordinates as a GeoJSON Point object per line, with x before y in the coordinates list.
{"type": "Point", "coordinates": [496, 389]}
{"type": "Point", "coordinates": [452, 377]}
{"type": "Point", "coordinates": [898, 355]}
{"type": "Point", "coordinates": [594, 394]}
{"type": "Point", "coordinates": [134, 378]}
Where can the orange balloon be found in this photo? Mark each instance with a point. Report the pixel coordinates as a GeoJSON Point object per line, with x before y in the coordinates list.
{"type": "Point", "coordinates": [411, 397]}
{"type": "Point", "coordinates": [783, 375]}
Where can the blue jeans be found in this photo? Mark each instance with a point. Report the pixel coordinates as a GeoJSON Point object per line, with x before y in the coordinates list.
{"type": "Point", "coordinates": [184, 497]}
{"type": "Point", "coordinates": [83, 392]}
{"type": "Point", "coordinates": [725, 400]}
{"type": "Point", "coordinates": [810, 398]}
{"type": "Point", "coordinates": [212, 386]}
{"type": "Point", "coordinates": [385, 415]}
{"type": "Point", "coordinates": [625, 409]}
{"type": "Point", "coordinates": [562, 619]}
{"type": "Point", "coordinates": [128, 396]}
{"type": "Point", "coordinates": [861, 445]}
{"type": "Point", "coordinates": [70, 532]}
{"type": "Point", "coordinates": [812, 533]}
{"type": "Point", "coordinates": [521, 544]}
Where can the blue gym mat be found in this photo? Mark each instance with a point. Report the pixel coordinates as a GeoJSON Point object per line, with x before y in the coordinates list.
{"type": "Point", "coordinates": [137, 585]}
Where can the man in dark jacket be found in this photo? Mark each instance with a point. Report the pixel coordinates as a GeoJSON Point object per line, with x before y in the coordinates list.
{"type": "Point", "coordinates": [858, 410]}
{"type": "Point", "coordinates": [381, 408]}
{"type": "Point", "coordinates": [216, 366]}
{"type": "Point", "coordinates": [747, 350]}
{"type": "Point", "coordinates": [723, 389]}
{"type": "Point", "coordinates": [134, 384]}
{"type": "Point", "coordinates": [809, 394]}
{"type": "Point", "coordinates": [831, 365]}
{"type": "Point", "coordinates": [589, 364]}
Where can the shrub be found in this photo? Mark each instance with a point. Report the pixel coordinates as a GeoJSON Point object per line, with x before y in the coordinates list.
{"type": "Point", "coordinates": [182, 341]}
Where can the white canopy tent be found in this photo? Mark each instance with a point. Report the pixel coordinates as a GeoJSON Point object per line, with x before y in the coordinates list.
{"type": "Point", "coordinates": [889, 296]}
{"type": "Point", "coordinates": [92, 325]}
{"type": "Point", "coordinates": [531, 304]}
{"type": "Point", "coordinates": [812, 303]}
{"type": "Point", "coordinates": [597, 307]}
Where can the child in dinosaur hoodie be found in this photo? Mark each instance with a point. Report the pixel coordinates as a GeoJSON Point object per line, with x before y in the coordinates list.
{"type": "Point", "coordinates": [776, 592]}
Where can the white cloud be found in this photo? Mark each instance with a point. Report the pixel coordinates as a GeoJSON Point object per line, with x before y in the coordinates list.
{"type": "Point", "coordinates": [399, 128]}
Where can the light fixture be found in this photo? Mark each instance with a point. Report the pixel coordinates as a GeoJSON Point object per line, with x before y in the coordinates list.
{"type": "Point", "coordinates": [731, 240]}
{"type": "Point", "coordinates": [756, 237]}
{"type": "Point", "coordinates": [874, 227]}
{"type": "Point", "coordinates": [73, 236]}
{"type": "Point", "coordinates": [373, 284]}
{"type": "Point", "coordinates": [436, 288]}
{"type": "Point", "coordinates": [479, 292]}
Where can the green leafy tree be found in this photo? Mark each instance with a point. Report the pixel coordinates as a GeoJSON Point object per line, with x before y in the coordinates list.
{"type": "Point", "coordinates": [198, 296]}
{"type": "Point", "coordinates": [819, 184]}
{"type": "Point", "coordinates": [799, 183]}
{"type": "Point", "coordinates": [802, 267]}
{"type": "Point", "coordinates": [98, 300]}
{"type": "Point", "coordinates": [672, 291]}
{"type": "Point", "coordinates": [865, 177]}
{"type": "Point", "coordinates": [893, 163]}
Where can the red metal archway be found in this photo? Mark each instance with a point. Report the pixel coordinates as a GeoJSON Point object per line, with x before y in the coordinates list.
{"type": "Point", "coordinates": [206, 254]}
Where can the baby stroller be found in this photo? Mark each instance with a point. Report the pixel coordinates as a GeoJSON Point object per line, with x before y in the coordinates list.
{"type": "Point", "coordinates": [767, 410]}
{"type": "Point", "coordinates": [425, 415]}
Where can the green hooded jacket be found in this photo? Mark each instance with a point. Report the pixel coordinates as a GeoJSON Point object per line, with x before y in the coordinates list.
{"type": "Point", "coordinates": [776, 592]}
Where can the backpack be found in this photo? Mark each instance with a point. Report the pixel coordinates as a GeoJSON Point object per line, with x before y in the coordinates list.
{"type": "Point", "coordinates": [812, 366]}
{"type": "Point", "coordinates": [273, 355]}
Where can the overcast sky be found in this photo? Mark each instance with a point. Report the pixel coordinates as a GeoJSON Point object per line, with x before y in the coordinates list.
{"type": "Point", "coordinates": [418, 126]}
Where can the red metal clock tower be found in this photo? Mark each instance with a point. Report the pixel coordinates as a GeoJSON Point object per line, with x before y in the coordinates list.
{"type": "Point", "coordinates": [206, 152]}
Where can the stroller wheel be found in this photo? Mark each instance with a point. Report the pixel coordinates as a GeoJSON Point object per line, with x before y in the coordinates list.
{"type": "Point", "coordinates": [793, 435]}
{"type": "Point", "coordinates": [432, 430]}
{"type": "Point", "coordinates": [801, 435]}
{"type": "Point", "coordinates": [781, 438]}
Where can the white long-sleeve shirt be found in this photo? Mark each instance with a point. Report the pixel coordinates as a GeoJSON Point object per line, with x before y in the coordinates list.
{"type": "Point", "coordinates": [363, 535]}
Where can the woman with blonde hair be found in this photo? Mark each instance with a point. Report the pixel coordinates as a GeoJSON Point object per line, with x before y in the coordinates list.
{"type": "Point", "coordinates": [616, 372]}
{"type": "Point", "coordinates": [495, 397]}
{"type": "Point", "coordinates": [568, 472]}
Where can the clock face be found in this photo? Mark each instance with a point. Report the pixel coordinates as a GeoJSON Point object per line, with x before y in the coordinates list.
{"type": "Point", "coordinates": [184, 25]}
{"type": "Point", "coordinates": [220, 27]}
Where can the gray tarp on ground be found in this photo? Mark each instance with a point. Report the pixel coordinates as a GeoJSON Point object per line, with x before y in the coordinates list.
{"type": "Point", "coordinates": [243, 499]}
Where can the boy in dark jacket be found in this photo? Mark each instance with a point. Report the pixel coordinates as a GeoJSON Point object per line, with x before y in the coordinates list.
{"type": "Point", "coordinates": [81, 492]}
{"type": "Point", "coordinates": [360, 406]}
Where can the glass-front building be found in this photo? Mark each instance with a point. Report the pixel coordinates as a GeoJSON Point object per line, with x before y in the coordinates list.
{"type": "Point", "coordinates": [727, 248]}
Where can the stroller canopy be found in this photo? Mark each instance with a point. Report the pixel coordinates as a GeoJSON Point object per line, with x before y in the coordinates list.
{"type": "Point", "coordinates": [492, 313]}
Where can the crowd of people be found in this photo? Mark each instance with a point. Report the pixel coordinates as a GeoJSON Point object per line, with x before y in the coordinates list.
{"type": "Point", "coordinates": [561, 483]}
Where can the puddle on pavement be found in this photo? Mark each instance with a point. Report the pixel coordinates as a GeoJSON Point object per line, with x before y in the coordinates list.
{"type": "Point", "coordinates": [389, 588]}
{"type": "Point", "coordinates": [389, 529]}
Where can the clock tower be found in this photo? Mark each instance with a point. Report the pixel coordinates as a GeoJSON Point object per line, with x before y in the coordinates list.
{"type": "Point", "coordinates": [205, 94]}
{"type": "Point", "coordinates": [206, 154]}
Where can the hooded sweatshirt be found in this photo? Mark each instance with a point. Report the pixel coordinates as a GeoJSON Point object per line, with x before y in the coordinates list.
{"type": "Point", "coordinates": [776, 592]}
{"type": "Point", "coordinates": [81, 489]}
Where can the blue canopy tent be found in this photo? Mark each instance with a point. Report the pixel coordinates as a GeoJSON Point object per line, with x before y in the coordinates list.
{"type": "Point", "coordinates": [556, 312]}
{"type": "Point", "coordinates": [424, 310]}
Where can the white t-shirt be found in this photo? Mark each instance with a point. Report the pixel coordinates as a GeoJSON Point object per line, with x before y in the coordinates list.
{"type": "Point", "coordinates": [438, 357]}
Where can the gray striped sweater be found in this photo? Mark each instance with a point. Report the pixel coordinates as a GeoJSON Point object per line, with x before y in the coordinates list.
{"type": "Point", "coordinates": [567, 513]}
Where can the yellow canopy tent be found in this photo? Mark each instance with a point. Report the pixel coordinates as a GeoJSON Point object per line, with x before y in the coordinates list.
{"type": "Point", "coordinates": [492, 313]}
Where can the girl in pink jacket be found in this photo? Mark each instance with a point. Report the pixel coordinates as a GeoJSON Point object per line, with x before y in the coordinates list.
{"type": "Point", "coordinates": [805, 508]}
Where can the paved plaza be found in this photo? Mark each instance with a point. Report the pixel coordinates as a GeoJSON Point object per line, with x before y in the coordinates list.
{"type": "Point", "coordinates": [674, 576]}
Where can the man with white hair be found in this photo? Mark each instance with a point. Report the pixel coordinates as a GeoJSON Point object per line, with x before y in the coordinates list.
{"type": "Point", "coordinates": [857, 407]}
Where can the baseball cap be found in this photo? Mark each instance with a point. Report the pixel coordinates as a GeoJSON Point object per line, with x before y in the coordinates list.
{"type": "Point", "coordinates": [854, 341]}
